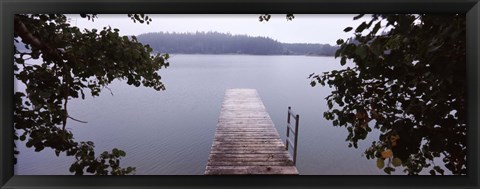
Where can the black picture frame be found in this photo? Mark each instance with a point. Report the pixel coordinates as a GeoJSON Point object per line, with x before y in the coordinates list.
{"type": "Point", "coordinates": [10, 7]}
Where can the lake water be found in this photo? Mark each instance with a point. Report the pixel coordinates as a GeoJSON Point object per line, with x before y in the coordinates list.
{"type": "Point", "coordinates": [171, 132]}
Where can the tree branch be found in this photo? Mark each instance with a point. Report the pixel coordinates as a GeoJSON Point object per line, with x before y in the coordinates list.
{"type": "Point", "coordinates": [76, 119]}
{"type": "Point", "coordinates": [29, 38]}
{"type": "Point", "coordinates": [108, 89]}
{"type": "Point", "coordinates": [25, 34]}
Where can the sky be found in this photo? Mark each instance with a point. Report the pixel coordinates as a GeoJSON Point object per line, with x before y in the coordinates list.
{"type": "Point", "coordinates": [305, 28]}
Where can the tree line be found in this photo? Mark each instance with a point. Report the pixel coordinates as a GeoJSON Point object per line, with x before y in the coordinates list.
{"type": "Point", "coordinates": [225, 43]}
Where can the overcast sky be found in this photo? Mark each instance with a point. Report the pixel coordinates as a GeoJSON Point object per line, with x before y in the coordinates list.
{"type": "Point", "coordinates": [305, 28]}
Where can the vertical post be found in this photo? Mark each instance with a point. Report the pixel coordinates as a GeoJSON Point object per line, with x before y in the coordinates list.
{"type": "Point", "coordinates": [296, 139]}
{"type": "Point", "coordinates": [288, 129]}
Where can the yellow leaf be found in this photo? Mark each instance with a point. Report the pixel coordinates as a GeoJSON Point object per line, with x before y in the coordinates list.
{"type": "Point", "coordinates": [396, 162]}
{"type": "Point", "coordinates": [387, 153]}
{"type": "Point", "coordinates": [380, 163]}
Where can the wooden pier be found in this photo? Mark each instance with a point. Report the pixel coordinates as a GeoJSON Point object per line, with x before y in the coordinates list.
{"type": "Point", "coordinates": [246, 141]}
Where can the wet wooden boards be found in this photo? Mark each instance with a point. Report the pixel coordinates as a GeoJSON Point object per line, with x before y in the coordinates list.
{"type": "Point", "coordinates": [246, 141]}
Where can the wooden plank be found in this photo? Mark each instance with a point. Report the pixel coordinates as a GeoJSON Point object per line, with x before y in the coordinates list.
{"type": "Point", "coordinates": [246, 124]}
{"type": "Point", "coordinates": [246, 159]}
{"type": "Point", "coordinates": [247, 143]}
{"type": "Point", "coordinates": [246, 140]}
{"type": "Point", "coordinates": [247, 135]}
{"type": "Point", "coordinates": [244, 117]}
{"type": "Point", "coordinates": [259, 114]}
{"type": "Point", "coordinates": [268, 170]}
{"type": "Point", "coordinates": [251, 132]}
{"type": "Point", "coordinates": [264, 140]}
{"type": "Point", "coordinates": [225, 122]}
{"type": "Point", "coordinates": [246, 129]}
{"type": "Point", "coordinates": [246, 148]}
{"type": "Point", "coordinates": [251, 157]}
{"type": "Point", "coordinates": [249, 151]}
{"type": "Point", "coordinates": [250, 163]}
{"type": "Point", "coordinates": [228, 120]}
{"type": "Point", "coordinates": [248, 132]}
{"type": "Point", "coordinates": [283, 155]}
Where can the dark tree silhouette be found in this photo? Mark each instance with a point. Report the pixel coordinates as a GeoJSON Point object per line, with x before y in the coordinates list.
{"type": "Point", "coordinates": [408, 81]}
{"type": "Point", "coordinates": [74, 61]}
{"type": "Point", "coordinates": [220, 43]}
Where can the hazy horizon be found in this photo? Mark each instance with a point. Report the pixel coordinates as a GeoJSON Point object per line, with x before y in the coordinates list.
{"type": "Point", "coordinates": [304, 28]}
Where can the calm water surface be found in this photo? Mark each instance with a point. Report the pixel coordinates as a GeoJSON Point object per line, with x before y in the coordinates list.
{"type": "Point", "coordinates": [171, 132]}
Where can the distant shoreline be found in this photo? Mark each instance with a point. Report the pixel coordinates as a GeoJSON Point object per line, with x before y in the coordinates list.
{"type": "Point", "coordinates": [225, 43]}
{"type": "Point", "coordinates": [245, 54]}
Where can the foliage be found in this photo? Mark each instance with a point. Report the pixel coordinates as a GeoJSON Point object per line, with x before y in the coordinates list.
{"type": "Point", "coordinates": [266, 17]}
{"type": "Point", "coordinates": [86, 159]}
{"type": "Point", "coordinates": [408, 82]}
{"type": "Point", "coordinates": [73, 62]}
{"type": "Point", "coordinates": [220, 43]}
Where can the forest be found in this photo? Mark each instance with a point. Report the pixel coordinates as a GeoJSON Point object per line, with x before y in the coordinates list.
{"type": "Point", "coordinates": [221, 43]}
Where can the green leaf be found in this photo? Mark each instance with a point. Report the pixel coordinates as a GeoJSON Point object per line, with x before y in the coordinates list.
{"type": "Point", "coordinates": [43, 18]}
{"type": "Point", "coordinates": [122, 153]}
{"type": "Point", "coordinates": [290, 16]}
{"type": "Point", "coordinates": [39, 147]}
{"type": "Point", "coordinates": [337, 53]}
{"type": "Point", "coordinates": [380, 163]}
{"type": "Point", "coordinates": [396, 162]}
{"type": "Point", "coordinates": [340, 41]}
{"type": "Point", "coordinates": [330, 104]}
{"type": "Point", "coordinates": [115, 152]}
{"type": "Point", "coordinates": [388, 170]}
{"type": "Point", "coordinates": [313, 83]}
{"type": "Point", "coordinates": [343, 61]}
{"type": "Point", "coordinates": [362, 27]}
{"type": "Point", "coordinates": [72, 168]}
{"type": "Point", "coordinates": [347, 29]}
{"type": "Point", "coordinates": [92, 168]}
{"type": "Point", "coordinates": [358, 16]}
{"type": "Point", "coordinates": [361, 51]}
{"type": "Point", "coordinates": [19, 60]}
{"type": "Point", "coordinates": [439, 170]}
{"type": "Point", "coordinates": [376, 27]}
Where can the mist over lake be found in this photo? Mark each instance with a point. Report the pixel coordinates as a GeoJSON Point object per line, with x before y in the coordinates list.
{"type": "Point", "coordinates": [171, 132]}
